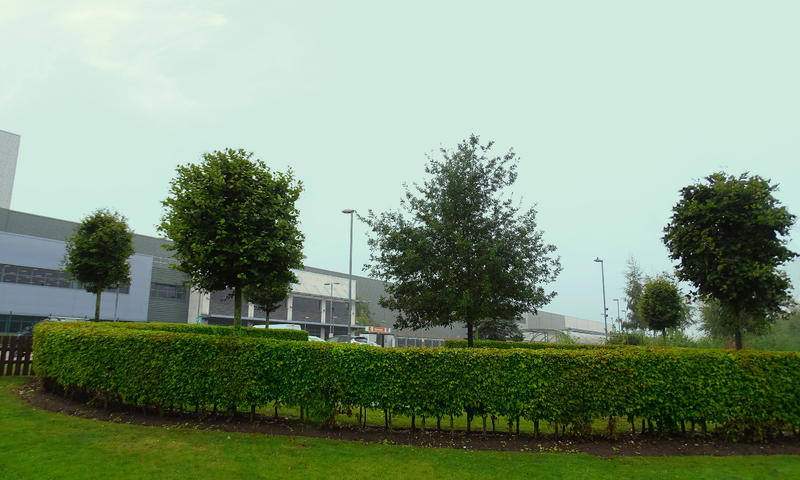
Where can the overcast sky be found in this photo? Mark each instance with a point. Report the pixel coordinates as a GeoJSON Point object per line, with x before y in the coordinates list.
{"type": "Point", "coordinates": [611, 106]}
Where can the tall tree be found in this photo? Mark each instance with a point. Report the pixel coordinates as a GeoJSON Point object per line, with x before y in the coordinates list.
{"type": "Point", "coordinates": [661, 306]}
{"type": "Point", "coordinates": [233, 224]}
{"type": "Point", "coordinates": [729, 236]}
{"type": "Point", "coordinates": [634, 286]}
{"type": "Point", "coordinates": [499, 329]}
{"type": "Point", "coordinates": [97, 253]}
{"type": "Point", "coordinates": [462, 252]}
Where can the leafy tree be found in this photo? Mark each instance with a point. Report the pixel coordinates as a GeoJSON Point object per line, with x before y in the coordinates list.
{"type": "Point", "coordinates": [363, 314]}
{"type": "Point", "coordinates": [661, 306]}
{"type": "Point", "coordinates": [729, 237]}
{"type": "Point", "coordinates": [233, 224]}
{"type": "Point", "coordinates": [97, 253]}
{"type": "Point", "coordinates": [781, 332]}
{"type": "Point", "coordinates": [463, 253]}
{"type": "Point", "coordinates": [633, 291]}
{"type": "Point", "coordinates": [784, 334]}
{"type": "Point", "coordinates": [499, 329]}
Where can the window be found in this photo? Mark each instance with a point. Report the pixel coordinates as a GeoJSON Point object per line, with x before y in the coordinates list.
{"type": "Point", "coordinates": [165, 290]}
{"type": "Point", "coordinates": [45, 277]}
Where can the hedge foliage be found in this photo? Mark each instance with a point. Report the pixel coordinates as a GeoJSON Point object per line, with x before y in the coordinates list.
{"type": "Point", "coordinates": [564, 386]}
{"type": "Point", "coordinates": [528, 345]}
{"type": "Point", "coordinates": [278, 334]}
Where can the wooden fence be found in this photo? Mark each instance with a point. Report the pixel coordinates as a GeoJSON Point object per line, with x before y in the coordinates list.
{"type": "Point", "coordinates": [16, 355]}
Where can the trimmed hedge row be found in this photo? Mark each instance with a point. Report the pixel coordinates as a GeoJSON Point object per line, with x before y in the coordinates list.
{"type": "Point", "coordinates": [667, 386]}
{"type": "Point", "coordinates": [528, 345]}
{"type": "Point", "coordinates": [278, 334]}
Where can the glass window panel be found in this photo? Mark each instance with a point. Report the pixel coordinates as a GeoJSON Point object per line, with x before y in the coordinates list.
{"type": "Point", "coordinates": [24, 275]}
{"type": "Point", "coordinates": [10, 274]}
{"type": "Point", "coordinates": [305, 309]}
{"type": "Point", "coordinates": [51, 278]}
{"type": "Point", "coordinates": [38, 276]}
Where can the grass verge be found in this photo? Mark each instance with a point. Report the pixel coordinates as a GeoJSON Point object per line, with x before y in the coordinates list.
{"type": "Point", "coordinates": [37, 444]}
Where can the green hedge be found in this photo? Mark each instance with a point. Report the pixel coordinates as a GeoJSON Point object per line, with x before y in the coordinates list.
{"type": "Point", "coordinates": [528, 345]}
{"type": "Point", "coordinates": [278, 334]}
{"type": "Point", "coordinates": [564, 386]}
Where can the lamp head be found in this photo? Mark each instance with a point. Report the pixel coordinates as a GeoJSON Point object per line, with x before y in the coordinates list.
{"type": "Point", "coordinates": [598, 259]}
{"type": "Point", "coordinates": [348, 210]}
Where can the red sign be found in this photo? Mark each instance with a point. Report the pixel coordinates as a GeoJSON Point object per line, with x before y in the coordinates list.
{"type": "Point", "coordinates": [378, 329]}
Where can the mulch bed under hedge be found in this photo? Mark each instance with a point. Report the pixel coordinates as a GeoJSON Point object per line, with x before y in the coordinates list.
{"type": "Point", "coordinates": [625, 444]}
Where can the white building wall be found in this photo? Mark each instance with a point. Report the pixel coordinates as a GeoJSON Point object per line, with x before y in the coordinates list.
{"type": "Point", "coordinates": [37, 300]}
{"type": "Point", "coordinates": [9, 149]}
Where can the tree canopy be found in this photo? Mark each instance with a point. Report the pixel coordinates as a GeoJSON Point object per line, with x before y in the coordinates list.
{"type": "Point", "coordinates": [499, 329]}
{"type": "Point", "coordinates": [97, 253]}
{"type": "Point", "coordinates": [728, 235]}
{"type": "Point", "coordinates": [233, 225]}
{"type": "Point", "coordinates": [661, 306]}
{"type": "Point", "coordinates": [459, 250]}
{"type": "Point", "coordinates": [633, 292]}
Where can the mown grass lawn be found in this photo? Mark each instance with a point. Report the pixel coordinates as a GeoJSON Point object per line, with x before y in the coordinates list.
{"type": "Point", "coordinates": [37, 444]}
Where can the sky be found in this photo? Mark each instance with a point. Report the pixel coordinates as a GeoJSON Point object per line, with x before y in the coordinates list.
{"type": "Point", "coordinates": [612, 108]}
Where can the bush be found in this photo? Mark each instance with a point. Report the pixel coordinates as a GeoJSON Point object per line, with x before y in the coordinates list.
{"type": "Point", "coordinates": [665, 385]}
{"type": "Point", "coordinates": [278, 334]}
{"type": "Point", "coordinates": [526, 345]}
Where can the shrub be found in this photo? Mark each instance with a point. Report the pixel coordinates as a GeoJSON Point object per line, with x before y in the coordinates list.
{"type": "Point", "coordinates": [278, 334]}
{"type": "Point", "coordinates": [665, 385]}
{"type": "Point", "coordinates": [526, 345]}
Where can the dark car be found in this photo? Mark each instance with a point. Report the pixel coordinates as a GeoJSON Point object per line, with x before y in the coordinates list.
{"type": "Point", "coordinates": [26, 331]}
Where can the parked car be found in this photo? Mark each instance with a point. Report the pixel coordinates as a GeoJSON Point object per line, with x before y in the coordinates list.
{"type": "Point", "coordinates": [358, 340]}
{"type": "Point", "coordinates": [313, 338]}
{"type": "Point", "coordinates": [26, 331]}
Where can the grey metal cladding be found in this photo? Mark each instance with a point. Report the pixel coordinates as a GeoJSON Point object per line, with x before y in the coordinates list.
{"type": "Point", "coordinates": [55, 229]}
{"type": "Point", "coordinates": [219, 305]}
{"type": "Point", "coordinates": [161, 309]}
{"type": "Point", "coordinates": [167, 309]}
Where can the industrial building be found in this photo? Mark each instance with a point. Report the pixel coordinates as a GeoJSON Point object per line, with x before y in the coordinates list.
{"type": "Point", "coordinates": [33, 287]}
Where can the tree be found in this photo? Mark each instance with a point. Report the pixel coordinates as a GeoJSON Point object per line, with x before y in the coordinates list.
{"type": "Point", "coordinates": [729, 237]}
{"type": "Point", "coordinates": [661, 306]}
{"type": "Point", "coordinates": [462, 252]}
{"type": "Point", "coordinates": [499, 329]}
{"type": "Point", "coordinates": [233, 225]}
{"type": "Point", "coordinates": [715, 322]}
{"type": "Point", "coordinates": [633, 292]}
{"type": "Point", "coordinates": [363, 314]}
{"type": "Point", "coordinates": [97, 253]}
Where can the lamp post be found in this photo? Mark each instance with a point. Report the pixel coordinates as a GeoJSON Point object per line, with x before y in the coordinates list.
{"type": "Point", "coordinates": [605, 309]}
{"type": "Point", "coordinates": [331, 284]}
{"type": "Point", "coordinates": [619, 319]}
{"type": "Point", "coordinates": [351, 320]}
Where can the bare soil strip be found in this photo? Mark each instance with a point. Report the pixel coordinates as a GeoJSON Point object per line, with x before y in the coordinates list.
{"type": "Point", "coordinates": [625, 444]}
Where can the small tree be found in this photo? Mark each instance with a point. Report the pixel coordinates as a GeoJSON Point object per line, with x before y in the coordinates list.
{"type": "Point", "coordinates": [661, 306]}
{"type": "Point", "coordinates": [97, 253]}
{"type": "Point", "coordinates": [464, 253]}
{"type": "Point", "coordinates": [729, 237]}
{"type": "Point", "coordinates": [233, 224]}
{"type": "Point", "coordinates": [633, 292]}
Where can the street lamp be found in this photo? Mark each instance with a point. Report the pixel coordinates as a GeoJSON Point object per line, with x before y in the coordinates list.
{"type": "Point", "coordinates": [619, 319]}
{"type": "Point", "coordinates": [350, 211]}
{"type": "Point", "coordinates": [605, 309]}
{"type": "Point", "coordinates": [331, 284]}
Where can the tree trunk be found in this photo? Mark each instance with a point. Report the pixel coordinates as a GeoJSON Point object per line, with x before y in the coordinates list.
{"type": "Point", "coordinates": [237, 307]}
{"type": "Point", "coordinates": [738, 337]}
{"type": "Point", "coordinates": [97, 305]}
{"type": "Point", "coordinates": [664, 336]}
{"type": "Point", "coordinates": [469, 333]}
